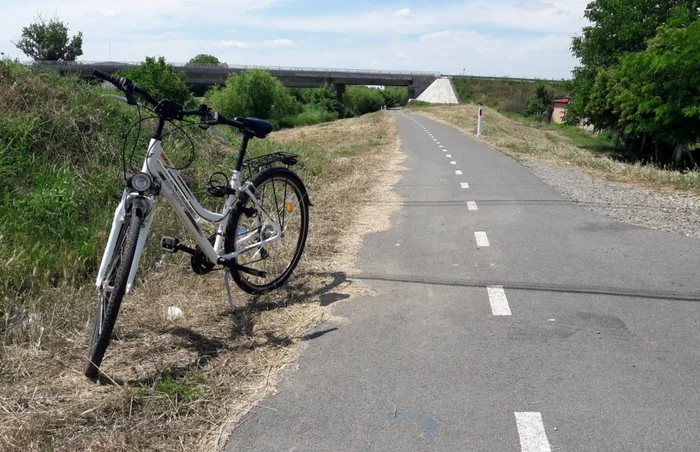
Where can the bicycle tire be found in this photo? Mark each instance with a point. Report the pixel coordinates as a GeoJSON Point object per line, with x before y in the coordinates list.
{"type": "Point", "coordinates": [109, 304]}
{"type": "Point", "coordinates": [242, 279]}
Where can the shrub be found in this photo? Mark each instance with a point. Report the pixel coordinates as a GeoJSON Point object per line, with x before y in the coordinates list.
{"type": "Point", "coordinates": [360, 100]}
{"type": "Point", "coordinates": [160, 80]}
{"type": "Point", "coordinates": [254, 93]}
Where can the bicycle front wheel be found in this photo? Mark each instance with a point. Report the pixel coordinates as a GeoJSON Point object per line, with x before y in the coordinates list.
{"type": "Point", "coordinates": [284, 201]}
{"type": "Point", "coordinates": [114, 287]}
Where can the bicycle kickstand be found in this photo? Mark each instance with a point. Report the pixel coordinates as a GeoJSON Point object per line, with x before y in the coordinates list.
{"type": "Point", "coordinates": [231, 305]}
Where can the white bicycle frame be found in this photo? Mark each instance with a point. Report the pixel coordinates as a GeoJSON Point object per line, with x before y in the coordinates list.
{"type": "Point", "coordinates": [183, 202]}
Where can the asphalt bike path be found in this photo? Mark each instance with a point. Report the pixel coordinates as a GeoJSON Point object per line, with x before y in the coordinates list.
{"type": "Point", "coordinates": [506, 319]}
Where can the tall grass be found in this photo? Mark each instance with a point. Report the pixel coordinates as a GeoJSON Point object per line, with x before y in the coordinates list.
{"type": "Point", "coordinates": [59, 161]}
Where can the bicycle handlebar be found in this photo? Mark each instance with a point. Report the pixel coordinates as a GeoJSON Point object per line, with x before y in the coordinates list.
{"type": "Point", "coordinates": [126, 85]}
{"type": "Point", "coordinates": [129, 87]}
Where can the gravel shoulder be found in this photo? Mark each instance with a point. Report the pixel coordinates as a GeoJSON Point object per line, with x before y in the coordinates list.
{"type": "Point", "coordinates": [666, 210]}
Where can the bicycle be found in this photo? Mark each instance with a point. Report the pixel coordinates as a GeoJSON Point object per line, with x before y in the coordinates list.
{"type": "Point", "coordinates": [251, 227]}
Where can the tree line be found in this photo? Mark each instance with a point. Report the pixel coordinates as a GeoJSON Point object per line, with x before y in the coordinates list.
{"type": "Point", "coordinates": [639, 76]}
{"type": "Point", "coordinates": [252, 93]}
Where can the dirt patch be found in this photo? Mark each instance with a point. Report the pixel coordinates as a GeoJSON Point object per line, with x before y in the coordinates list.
{"type": "Point", "coordinates": [184, 384]}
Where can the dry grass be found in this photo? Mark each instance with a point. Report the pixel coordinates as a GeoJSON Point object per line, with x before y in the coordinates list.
{"type": "Point", "coordinates": [525, 140]}
{"type": "Point", "coordinates": [183, 385]}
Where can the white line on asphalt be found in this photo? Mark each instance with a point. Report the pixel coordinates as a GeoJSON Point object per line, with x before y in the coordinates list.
{"type": "Point", "coordinates": [498, 300]}
{"type": "Point", "coordinates": [437, 142]}
{"type": "Point", "coordinates": [442, 146]}
{"type": "Point", "coordinates": [471, 205]}
{"type": "Point", "coordinates": [464, 185]}
{"type": "Point", "coordinates": [444, 150]}
{"type": "Point", "coordinates": [459, 172]}
{"type": "Point", "coordinates": [531, 431]}
{"type": "Point", "coordinates": [481, 239]}
{"type": "Point", "coordinates": [453, 162]}
{"type": "Point", "coordinates": [449, 156]}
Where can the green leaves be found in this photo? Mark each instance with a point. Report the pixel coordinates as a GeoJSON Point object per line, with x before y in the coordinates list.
{"type": "Point", "coordinates": [204, 59]}
{"type": "Point", "coordinates": [640, 74]}
{"type": "Point", "coordinates": [160, 80]}
{"type": "Point", "coordinates": [254, 93]}
{"type": "Point", "coordinates": [539, 102]}
{"type": "Point", "coordinates": [48, 40]}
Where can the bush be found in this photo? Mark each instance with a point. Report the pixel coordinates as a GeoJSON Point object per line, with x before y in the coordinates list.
{"type": "Point", "coordinates": [360, 100]}
{"type": "Point", "coordinates": [160, 80]}
{"type": "Point", "coordinates": [254, 93]}
{"type": "Point", "coordinates": [312, 114]}
{"type": "Point", "coordinates": [540, 102]}
{"type": "Point", "coordinates": [203, 60]}
{"type": "Point", "coordinates": [395, 96]}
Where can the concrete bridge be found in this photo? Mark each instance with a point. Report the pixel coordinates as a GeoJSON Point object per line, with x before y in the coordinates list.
{"type": "Point", "coordinates": [295, 77]}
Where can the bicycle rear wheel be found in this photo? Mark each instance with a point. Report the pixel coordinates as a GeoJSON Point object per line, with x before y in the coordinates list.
{"type": "Point", "coordinates": [114, 287]}
{"type": "Point", "coordinates": [283, 198]}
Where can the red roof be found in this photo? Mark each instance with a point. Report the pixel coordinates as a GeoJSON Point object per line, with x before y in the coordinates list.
{"type": "Point", "coordinates": [564, 100]}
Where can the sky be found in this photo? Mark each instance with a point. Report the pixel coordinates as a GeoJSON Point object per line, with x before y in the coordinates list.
{"type": "Point", "coordinates": [506, 38]}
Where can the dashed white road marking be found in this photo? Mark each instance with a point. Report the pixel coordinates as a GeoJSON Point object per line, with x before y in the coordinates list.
{"type": "Point", "coordinates": [532, 435]}
{"type": "Point", "coordinates": [459, 172]}
{"type": "Point", "coordinates": [453, 162]}
{"type": "Point", "coordinates": [442, 146]}
{"type": "Point", "coordinates": [482, 239]}
{"type": "Point", "coordinates": [464, 185]}
{"type": "Point", "coordinates": [471, 205]}
{"type": "Point", "coordinates": [444, 150]}
{"type": "Point", "coordinates": [499, 302]}
{"type": "Point", "coordinates": [438, 142]}
{"type": "Point", "coordinates": [449, 156]}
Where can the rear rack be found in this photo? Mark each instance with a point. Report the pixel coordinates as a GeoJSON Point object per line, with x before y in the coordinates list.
{"type": "Point", "coordinates": [266, 161]}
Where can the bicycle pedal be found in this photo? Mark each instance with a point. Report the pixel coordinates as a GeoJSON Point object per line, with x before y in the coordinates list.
{"type": "Point", "coordinates": [170, 244]}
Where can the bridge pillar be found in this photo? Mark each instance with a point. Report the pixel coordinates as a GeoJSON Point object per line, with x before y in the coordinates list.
{"type": "Point", "coordinates": [339, 91]}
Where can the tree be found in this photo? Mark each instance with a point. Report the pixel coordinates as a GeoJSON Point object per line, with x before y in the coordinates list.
{"type": "Point", "coordinates": [395, 96]}
{"type": "Point", "coordinates": [160, 80]}
{"type": "Point", "coordinates": [254, 93]}
{"type": "Point", "coordinates": [361, 100]}
{"type": "Point", "coordinates": [656, 92]}
{"type": "Point", "coordinates": [204, 59]}
{"type": "Point", "coordinates": [540, 102]}
{"type": "Point", "coordinates": [618, 27]}
{"type": "Point", "coordinates": [47, 40]}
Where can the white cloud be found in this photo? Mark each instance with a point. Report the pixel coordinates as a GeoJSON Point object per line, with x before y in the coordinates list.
{"type": "Point", "coordinates": [446, 39]}
{"type": "Point", "coordinates": [233, 44]}
{"type": "Point", "coordinates": [404, 13]}
{"type": "Point", "coordinates": [280, 42]}
{"type": "Point", "coordinates": [533, 15]}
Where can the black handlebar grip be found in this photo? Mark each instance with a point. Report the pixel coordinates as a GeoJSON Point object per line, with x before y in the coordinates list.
{"type": "Point", "coordinates": [120, 82]}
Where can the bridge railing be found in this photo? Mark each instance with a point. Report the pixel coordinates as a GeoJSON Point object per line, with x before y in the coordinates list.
{"type": "Point", "coordinates": [127, 64]}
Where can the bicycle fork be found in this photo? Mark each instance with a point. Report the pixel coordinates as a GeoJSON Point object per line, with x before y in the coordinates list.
{"type": "Point", "coordinates": [117, 224]}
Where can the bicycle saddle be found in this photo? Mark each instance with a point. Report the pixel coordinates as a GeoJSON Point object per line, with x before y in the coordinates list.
{"type": "Point", "coordinates": [259, 127]}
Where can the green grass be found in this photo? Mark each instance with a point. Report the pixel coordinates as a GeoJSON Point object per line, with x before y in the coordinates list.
{"type": "Point", "coordinates": [506, 96]}
{"type": "Point", "coordinates": [61, 178]}
{"type": "Point", "coordinates": [59, 154]}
